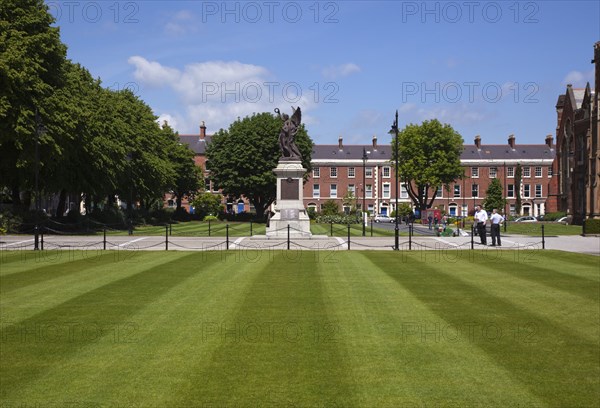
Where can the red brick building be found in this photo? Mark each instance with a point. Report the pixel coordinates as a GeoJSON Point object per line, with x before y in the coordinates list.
{"type": "Point", "coordinates": [577, 165]}
{"type": "Point", "coordinates": [366, 172]}
{"type": "Point", "coordinates": [339, 169]}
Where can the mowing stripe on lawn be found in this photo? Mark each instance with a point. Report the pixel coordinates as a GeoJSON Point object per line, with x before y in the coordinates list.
{"type": "Point", "coordinates": [167, 345]}
{"type": "Point", "coordinates": [402, 353]}
{"type": "Point", "coordinates": [277, 350]}
{"type": "Point", "coordinates": [51, 270]}
{"type": "Point", "coordinates": [558, 366]}
{"type": "Point", "coordinates": [26, 358]}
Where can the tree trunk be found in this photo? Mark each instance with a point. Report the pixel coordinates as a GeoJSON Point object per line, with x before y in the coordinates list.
{"type": "Point", "coordinates": [16, 199]}
{"type": "Point", "coordinates": [60, 208]}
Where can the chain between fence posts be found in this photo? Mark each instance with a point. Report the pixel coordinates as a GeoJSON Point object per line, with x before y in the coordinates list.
{"type": "Point", "coordinates": [288, 236]}
{"type": "Point", "coordinates": [166, 237]}
{"type": "Point", "coordinates": [543, 238]}
{"type": "Point", "coordinates": [104, 238]}
{"type": "Point", "coordinates": [227, 237]}
{"type": "Point", "coordinates": [348, 237]}
{"type": "Point", "coordinates": [473, 236]}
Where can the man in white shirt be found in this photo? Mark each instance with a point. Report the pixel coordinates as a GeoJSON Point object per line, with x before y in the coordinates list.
{"type": "Point", "coordinates": [481, 219]}
{"type": "Point", "coordinates": [496, 220]}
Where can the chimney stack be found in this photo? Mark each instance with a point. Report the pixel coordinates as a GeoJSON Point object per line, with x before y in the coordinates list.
{"type": "Point", "coordinates": [549, 140]}
{"type": "Point", "coordinates": [202, 131]}
{"type": "Point", "coordinates": [341, 143]}
{"type": "Point", "coordinates": [374, 142]}
{"type": "Point", "coordinates": [511, 141]}
{"type": "Point", "coordinates": [478, 142]}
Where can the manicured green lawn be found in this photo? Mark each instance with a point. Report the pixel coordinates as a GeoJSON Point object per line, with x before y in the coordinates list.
{"type": "Point", "coordinates": [200, 229]}
{"type": "Point", "coordinates": [341, 230]}
{"type": "Point", "coordinates": [535, 228]}
{"type": "Point", "coordinates": [318, 329]}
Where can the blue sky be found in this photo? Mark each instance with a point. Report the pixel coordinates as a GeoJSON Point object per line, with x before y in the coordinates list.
{"type": "Point", "coordinates": [489, 68]}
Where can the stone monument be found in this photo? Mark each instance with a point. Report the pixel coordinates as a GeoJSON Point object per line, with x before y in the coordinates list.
{"type": "Point", "coordinates": [289, 208]}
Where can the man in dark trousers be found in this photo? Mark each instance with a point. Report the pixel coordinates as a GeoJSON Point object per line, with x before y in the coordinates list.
{"type": "Point", "coordinates": [496, 220]}
{"type": "Point", "coordinates": [481, 219]}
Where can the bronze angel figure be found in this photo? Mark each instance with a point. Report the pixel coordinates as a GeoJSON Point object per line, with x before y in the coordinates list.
{"type": "Point", "coordinates": [287, 135]}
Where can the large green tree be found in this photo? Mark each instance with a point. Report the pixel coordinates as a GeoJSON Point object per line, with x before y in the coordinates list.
{"type": "Point", "coordinates": [32, 60]}
{"type": "Point", "coordinates": [241, 159]}
{"type": "Point", "coordinates": [494, 196]}
{"type": "Point", "coordinates": [428, 157]}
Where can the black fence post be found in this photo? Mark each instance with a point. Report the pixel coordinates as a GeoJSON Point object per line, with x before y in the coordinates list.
{"type": "Point", "coordinates": [331, 229]}
{"type": "Point", "coordinates": [410, 232]}
{"type": "Point", "coordinates": [473, 236]}
{"type": "Point", "coordinates": [288, 236]}
{"type": "Point", "coordinates": [250, 228]}
{"type": "Point", "coordinates": [209, 227]}
{"type": "Point", "coordinates": [348, 237]}
{"type": "Point", "coordinates": [166, 237]}
{"type": "Point", "coordinates": [170, 229]}
{"type": "Point", "coordinates": [371, 227]}
{"type": "Point", "coordinates": [227, 237]}
{"type": "Point", "coordinates": [543, 238]}
{"type": "Point", "coordinates": [42, 239]}
{"type": "Point", "coordinates": [36, 238]}
{"type": "Point", "coordinates": [104, 238]}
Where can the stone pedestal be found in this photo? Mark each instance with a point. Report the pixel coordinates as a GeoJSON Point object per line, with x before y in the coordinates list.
{"type": "Point", "coordinates": [289, 207]}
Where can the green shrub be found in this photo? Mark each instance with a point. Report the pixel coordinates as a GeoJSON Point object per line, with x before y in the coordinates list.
{"type": "Point", "coordinates": [9, 223]}
{"type": "Point", "coordinates": [210, 218]}
{"type": "Point", "coordinates": [592, 226]}
{"type": "Point", "coordinates": [553, 216]}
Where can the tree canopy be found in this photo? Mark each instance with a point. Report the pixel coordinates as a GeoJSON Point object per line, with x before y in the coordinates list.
{"type": "Point", "coordinates": [93, 142]}
{"type": "Point", "coordinates": [428, 157]}
{"type": "Point", "coordinates": [494, 197]}
{"type": "Point", "coordinates": [241, 159]}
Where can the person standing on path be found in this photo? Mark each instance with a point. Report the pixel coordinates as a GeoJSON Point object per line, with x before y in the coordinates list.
{"type": "Point", "coordinates": [496, 220]}
{"type": "Point", "coordinates": [481, 219]}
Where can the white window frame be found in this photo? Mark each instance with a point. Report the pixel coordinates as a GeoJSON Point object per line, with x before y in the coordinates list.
{"type": "Point", "coordinates": [351, 172]}
{"type": "Point", "coordinates": [540, 188]}
{"type": "Point", "coordinates": [510, 191]}
{"type": "Point", "coordinates": [475, 172]}
{"type": "Point", "coordinates": [386, 194]}
{"type": "Point", "coordinates": [526, 190]}
{"type": "Point", "coordinates": [474, 187]}
{"type": "Point", "coordinates": [526, 171]}
{"type": "Point", "coordinates": [316, 172]}
{"type": "Point", "coordinates": [538, 171]}
{"type": "Point", "coordinates": [352, 189]}
{"type": "Point", "coordinates": [493, 172]}
{"type": "Point", "coordinates": [369, 190]}
{"type": "Point", "coordinates": [403, 191]}
{"type": "Point", "coordinates": [510, 172]}
{"type": "Point", "coordinates": [454, 191]}
{"type": "Point", "coordinates": [333, 190]}
{"type": "Point", "coordinates": [333, 172]}
{"type": "Point", "coordinates": [369, 172]}
{"type": "Point", "coordinates": [386, 172]}
{"type": "Point", "coordinates": [316, 191]}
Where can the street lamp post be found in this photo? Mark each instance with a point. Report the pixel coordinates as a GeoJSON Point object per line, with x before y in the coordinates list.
{"type": "Point", "coordinates": [394, 131]}
{"type": "Point", "coordinates": [39, 128]}
{"type": "Point", "coordinates": [362, 213]}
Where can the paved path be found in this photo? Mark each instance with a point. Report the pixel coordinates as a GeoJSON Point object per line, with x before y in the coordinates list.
{"type": "Point", "coordinates": [571, 243]}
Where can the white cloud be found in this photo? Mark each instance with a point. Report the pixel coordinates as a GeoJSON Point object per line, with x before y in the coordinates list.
{"type": "Point", "coordinates": [180, 23]}
{"type": "Point", "coordinates": [337, 71]}
{"type": "Point", "coordinates": [578, 79]}
{"type": "Point", "coordinates": [153, 74]}
{"type": "Point", "coordinates": [218, 92]}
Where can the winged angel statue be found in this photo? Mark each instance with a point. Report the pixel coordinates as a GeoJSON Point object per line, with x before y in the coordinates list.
{"type": "Point", "coordinates": [287, 135]}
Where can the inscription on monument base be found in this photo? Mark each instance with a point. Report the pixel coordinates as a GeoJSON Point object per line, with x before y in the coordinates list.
{"type": "Point", "coordinates": [289, 214]}
{"type": "Point", "coordinates": [289, 189]}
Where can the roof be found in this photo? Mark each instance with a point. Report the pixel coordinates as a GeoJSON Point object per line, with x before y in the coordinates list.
{"type": "Point", "coordinates": [195, 143]}
{"type": "Point", "coordinates": [383, 153]}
